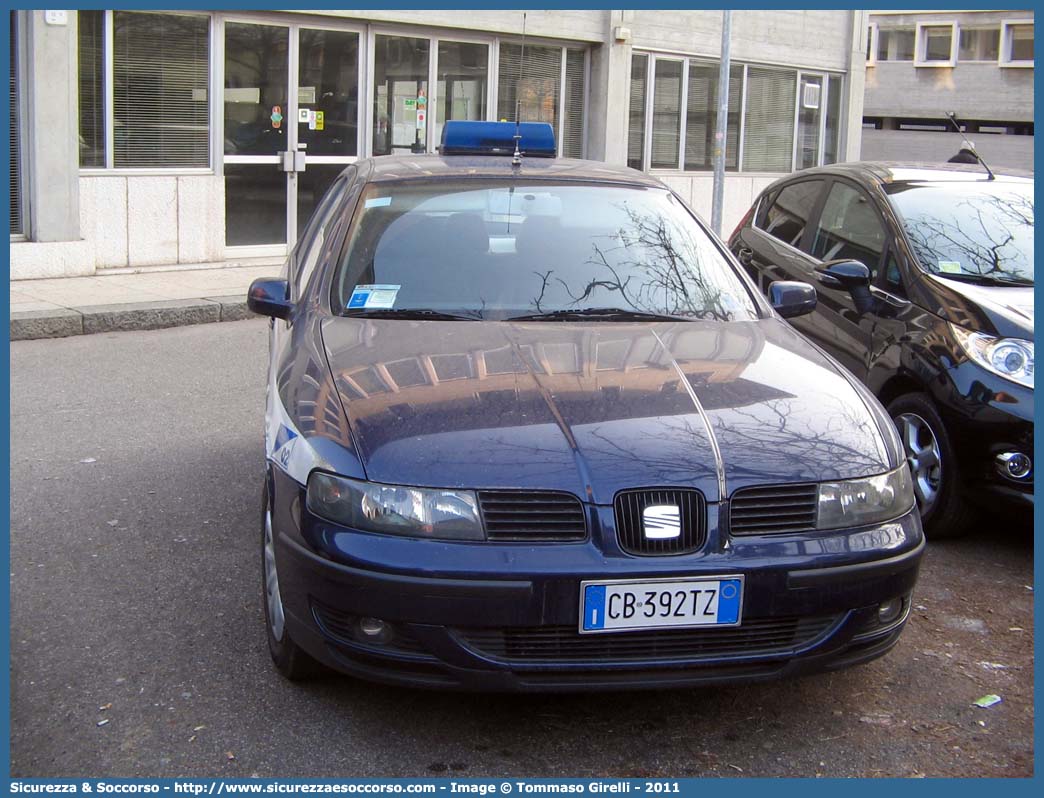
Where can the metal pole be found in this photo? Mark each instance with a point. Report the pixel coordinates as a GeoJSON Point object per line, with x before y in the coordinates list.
{"type": "Point", "coordinates": [722, 123]}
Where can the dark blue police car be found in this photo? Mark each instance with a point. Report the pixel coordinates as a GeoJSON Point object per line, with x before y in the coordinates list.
{"type": "Point", "coordinates": [530, 427]}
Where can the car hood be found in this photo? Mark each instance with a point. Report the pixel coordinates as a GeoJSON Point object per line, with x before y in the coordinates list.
{"type": "Point", "coordinates": [596, 408]}
{"type": "Point", "coordinates": [1005, 310]}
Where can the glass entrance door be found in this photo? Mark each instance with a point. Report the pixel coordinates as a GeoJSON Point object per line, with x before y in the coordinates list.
{"type": "Point", "coordinates": [421, 83]}
{"type": "Point", "coordinates": [291, 124]}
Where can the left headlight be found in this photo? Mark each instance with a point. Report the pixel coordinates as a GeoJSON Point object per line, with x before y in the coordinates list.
{"type": "Point", "coordinates": [865, 501]}
{"type": "Point", "coordinates": [395, 510]}
{"type": "Point", "coordinates": [1011, 358]}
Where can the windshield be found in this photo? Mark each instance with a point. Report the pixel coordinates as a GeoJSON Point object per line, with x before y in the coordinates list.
{"type": "Point", "coordinates": [981, 230]}
{"type": "Point", "coordinates": [501, 249]}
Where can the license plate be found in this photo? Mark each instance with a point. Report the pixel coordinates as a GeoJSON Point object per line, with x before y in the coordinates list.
{"type": "Point", "coordinates": [620, 605]}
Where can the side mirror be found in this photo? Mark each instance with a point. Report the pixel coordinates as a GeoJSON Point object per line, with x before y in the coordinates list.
{"type": "Point", "coordinates": [851, 275]}
{"type": "Point", "coordinates": [790, 299]}
{"type": "Point", "coordinates": [269, 297]}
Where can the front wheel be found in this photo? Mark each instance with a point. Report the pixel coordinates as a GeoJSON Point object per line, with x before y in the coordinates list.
{"type": "Point", "coordinates": [933, 466]}
{"type": "Point", "coordinates": [289, 658]}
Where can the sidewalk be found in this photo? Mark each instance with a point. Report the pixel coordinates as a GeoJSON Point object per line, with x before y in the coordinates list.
{"type": "Point", "coordinates": [140, 299]}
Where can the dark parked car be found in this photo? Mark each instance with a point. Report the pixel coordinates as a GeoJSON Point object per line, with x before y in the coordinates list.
{"type": "Point", "coordinates": [937, 321]}
{"type": "Point", "coordinates": [529, 427]}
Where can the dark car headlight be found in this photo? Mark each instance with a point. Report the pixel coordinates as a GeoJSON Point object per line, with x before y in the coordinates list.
{"type": "Point", "coordinates": [1011, 358]}
{"type": "Point", "coordinates": [865, 501]}
{"type": "Point", "coordinates": [395, 510]}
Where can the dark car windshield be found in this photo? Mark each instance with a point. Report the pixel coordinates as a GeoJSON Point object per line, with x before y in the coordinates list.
{"type": "Point", "coordinates": [970, 230]}
{"type": "Point", "coordinates": [499, 249]}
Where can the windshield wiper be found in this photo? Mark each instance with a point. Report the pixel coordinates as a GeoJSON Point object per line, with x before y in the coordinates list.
{"type": "Point", "coordinates": [602, 314]}
{"type": "Point", "coordinates": [423, 314]}
{"type": "Point", "coordinates": [982, 279]}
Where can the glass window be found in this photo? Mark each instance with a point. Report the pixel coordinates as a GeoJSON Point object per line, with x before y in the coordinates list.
{"type": "Point", "coordinates": [401, 95]}
{"type": "Point", "coordinates": [91, 59]}
{"type": "Point", "coordinates": [979, 44]}
{"type": "Point", "coordinates": [161, 110]}
{"type": "Point", "coordinates": [768, 143]}
{"type": "Point", "coordinates": [573, 113]}
{"type": "Point", "coordinates": [936, 43]}
{"type": "Point", "coordinates": [895, 44]}
{"type": "Point", "coordinates": [788, 215]}
{"type": "Point", "coordinates": [978, 230]}
{"type": "Point", "coordinates": [1020, 43]}
{"type": "Point", "coordinates": [328, 81]}
{"type": "Point", "coordinates": [462, 83]}
{"type": "Point", "coordinates": [636, 112]}
{"type": "Point", "coordinates": [833, 119]}
{"type": "Point", "coordinates": [256, 88]}
{"type": "Point", "coordinates": [531, 91]}
{"type": "Point", "coordinates": [667, 103]}
{"type": "Point", "coordinates": [495, 249]}
{"type": "Point", "coordinates": [13, 121]}
{"type": "Point", "coordinates": [849, 228]}
{"type": "Point", "coordinates": [701, 118]}
{"type": "Point", "coordinates": [894, 276]}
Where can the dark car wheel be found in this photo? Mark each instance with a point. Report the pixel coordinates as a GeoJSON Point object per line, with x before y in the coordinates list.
{"type": "Point", "coordinates": [933, 465]}
{"type": "Point", "coordinates": [290, 660]}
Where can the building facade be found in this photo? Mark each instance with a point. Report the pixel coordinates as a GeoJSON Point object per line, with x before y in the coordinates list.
{"type": "Point", "coordinates": [921, 65]}
{"type": "Point", "coordinates": [160, 138]}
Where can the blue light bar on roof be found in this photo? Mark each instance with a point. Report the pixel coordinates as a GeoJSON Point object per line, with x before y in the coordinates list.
{"type": "Point", "coordinates": [460, 137]}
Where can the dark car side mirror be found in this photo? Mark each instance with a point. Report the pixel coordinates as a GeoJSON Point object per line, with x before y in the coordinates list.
{"type": "Point", "coordinates": [851, 275]}
{"type": "Point", "coordinates": [270, 297]}
{"type": "Point", "coordinates": [790, 298]}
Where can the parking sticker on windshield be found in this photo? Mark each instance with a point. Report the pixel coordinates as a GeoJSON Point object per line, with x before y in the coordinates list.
{"type": "Point", "coordinates": [378, 202]}
{"type": "Point", "coordinates": [949, 267]}
{"type": "Point", "coordinates": [373, 296]}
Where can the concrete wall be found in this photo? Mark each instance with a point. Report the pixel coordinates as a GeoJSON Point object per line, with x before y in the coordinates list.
{"type": "Point", "coordinates": [999, 151]}
{"type": "Point", "coordinates": [976, 91]}
{"type": "Point", "coordinates": [133, 220]}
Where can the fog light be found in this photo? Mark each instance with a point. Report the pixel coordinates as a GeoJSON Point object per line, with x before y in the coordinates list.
{"type": "Point", "coordinates": [1014, 464]}
{"type": "Point", "coordinates": [373, 630]}
{"type": "Point", "coordinates": [889, 610]}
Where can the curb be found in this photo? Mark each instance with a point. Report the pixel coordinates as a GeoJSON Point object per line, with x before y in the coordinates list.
{"type": "Point", "coordinates": [90, 319]}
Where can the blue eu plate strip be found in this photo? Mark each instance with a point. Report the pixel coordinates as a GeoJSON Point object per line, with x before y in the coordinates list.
{"type": "Point", "coordinates": [594, 607]}
{"type": "Point", "coordinates": [728, 601]}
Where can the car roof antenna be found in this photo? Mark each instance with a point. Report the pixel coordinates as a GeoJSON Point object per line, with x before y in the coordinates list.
{"type": "Point", "coordinates": [516, 159]}
{"type": "Point", "coordinates": [967, 145]}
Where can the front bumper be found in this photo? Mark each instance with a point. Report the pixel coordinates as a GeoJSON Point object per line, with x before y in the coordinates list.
{"type": "Point", "coordinates": [504, 616]}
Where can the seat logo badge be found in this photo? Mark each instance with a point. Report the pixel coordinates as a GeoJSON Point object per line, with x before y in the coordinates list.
{"type": "Point", "coordinates": [661, 521]}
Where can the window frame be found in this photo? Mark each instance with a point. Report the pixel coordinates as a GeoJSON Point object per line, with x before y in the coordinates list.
{"type": "Point", "coordinates": [214, 93]}
{"type": "Point", "coordinates": [895, 29]}
{"type": "Point", "coordinates": [494, 91]}
{"type": "Point", "coordinates": [978, 29]}
{"type": "Point", "coordinates": [832, 81]}
{"type": "Point", "coordinates": [888, 243]}
{"type": "Point", "coordinates": [813, 214]}
{"type": "Point", "coordinates": [24, 164]}
{"type": "Point", "coordinates": [1004, 59]}
{"type": "Point", "coordinates": [871, 55]}
{"type": "Point", "coordinates": [921, 44]}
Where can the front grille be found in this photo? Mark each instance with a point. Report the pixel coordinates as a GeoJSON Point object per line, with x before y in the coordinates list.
{"type": "Point", "coordinates": [340, 627]}
{"type": "Point", "coordinates": [629, 505]}
{"type": "Point", "coordinates": [758, 636]}
{"type": "Point", "coordinates": [532, 515]}
{"type": "Point", "coordinates": [777, 508]}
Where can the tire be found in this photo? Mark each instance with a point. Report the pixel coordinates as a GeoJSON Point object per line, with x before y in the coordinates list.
{"type": "Point", "coordinates": [289, 658]}
{"type": "Point", "coordinates": [934, 466]}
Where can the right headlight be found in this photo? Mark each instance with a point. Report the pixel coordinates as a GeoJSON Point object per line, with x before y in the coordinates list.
{"type": "Point", "coordinates": [865, 501]}
{"type": "Point", "coordinates": [1011, 358]}
{"type": "Point", "coordinates": [434, 514]}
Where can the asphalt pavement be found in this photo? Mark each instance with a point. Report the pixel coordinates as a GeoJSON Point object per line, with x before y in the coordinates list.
{"type": "Point", "coordinates": [137, 645]}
